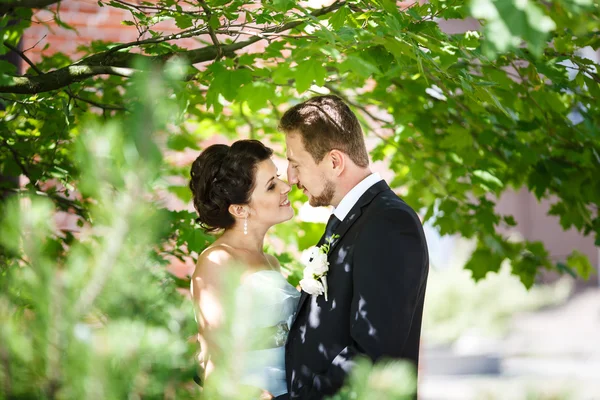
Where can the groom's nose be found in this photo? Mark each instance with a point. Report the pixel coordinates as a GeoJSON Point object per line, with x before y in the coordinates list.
{"type": "Point", "coordinates": [292, 175]}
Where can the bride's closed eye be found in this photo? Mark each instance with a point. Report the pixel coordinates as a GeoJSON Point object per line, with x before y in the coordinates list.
{"type": "Point", "coordinates": [273, 184]}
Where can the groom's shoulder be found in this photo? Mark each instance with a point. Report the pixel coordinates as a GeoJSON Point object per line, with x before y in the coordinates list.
{"type": "Point", "coordinates": [388, 206]}
{"type": "Point", "coordinates": [388, 200]}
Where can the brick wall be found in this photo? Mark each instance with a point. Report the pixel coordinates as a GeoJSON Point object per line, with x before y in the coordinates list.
{"type": "Point", "coordinates": [92, 22]}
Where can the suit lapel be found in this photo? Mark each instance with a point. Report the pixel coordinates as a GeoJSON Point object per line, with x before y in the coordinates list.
{"type": "Point", "coordinates": [343, 227]}
{"type": "Point", "coordinates": [356, 211]}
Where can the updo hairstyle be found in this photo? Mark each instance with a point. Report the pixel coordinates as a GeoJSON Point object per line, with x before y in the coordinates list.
{"type": "Point", "coordinates": [224, 175]}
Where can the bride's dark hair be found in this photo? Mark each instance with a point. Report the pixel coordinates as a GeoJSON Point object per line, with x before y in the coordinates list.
{"type": "Point", "coordinates": [224, 175]}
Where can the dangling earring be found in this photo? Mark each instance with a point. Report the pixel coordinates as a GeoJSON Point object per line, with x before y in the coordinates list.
{"type": "Point", "coordinates": [246, 225]}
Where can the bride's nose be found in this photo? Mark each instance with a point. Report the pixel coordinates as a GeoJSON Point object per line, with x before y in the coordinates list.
{"type": "Point", "coordinates": [286, 187]}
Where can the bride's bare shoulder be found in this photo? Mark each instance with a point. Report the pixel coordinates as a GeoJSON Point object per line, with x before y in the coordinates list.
{"type": "Point", "coordinates": [211, 265]}
{"type": "Point", "coordinates": [217, 254]}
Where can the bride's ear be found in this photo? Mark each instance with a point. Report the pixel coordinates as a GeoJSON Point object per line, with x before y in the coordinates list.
{"type": "Point", "coordinates": [238, 210]}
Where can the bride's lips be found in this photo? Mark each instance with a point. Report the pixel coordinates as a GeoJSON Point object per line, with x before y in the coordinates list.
{"type": "Point", "coordinates": [286, 203]}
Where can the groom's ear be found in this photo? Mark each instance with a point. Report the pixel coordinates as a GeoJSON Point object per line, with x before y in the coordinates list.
{"type": "Point", "coordinates": [238, 210]}
{"type": "Point", "coordinates": [338, 161]}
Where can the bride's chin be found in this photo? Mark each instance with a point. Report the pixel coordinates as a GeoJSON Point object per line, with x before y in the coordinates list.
{"type": "Point", "coordinates": [289, 216]}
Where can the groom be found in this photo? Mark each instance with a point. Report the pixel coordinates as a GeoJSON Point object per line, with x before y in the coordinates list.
{"type": "Point", "coordinates": [377, 266]}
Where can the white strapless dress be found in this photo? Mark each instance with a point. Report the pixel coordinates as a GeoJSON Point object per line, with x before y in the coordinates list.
{"type": "Point", "coordinates": [273, 305]}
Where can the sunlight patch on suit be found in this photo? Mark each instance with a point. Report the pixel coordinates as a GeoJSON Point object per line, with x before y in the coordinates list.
{"type": "Point", "coordinates": [362, 303]}
{"type": "Point", "coordinates": [322, 350]}
{"type": "Point", "coordinates": [303, 333]}
{"type": "Point", "coordinates": [315, 311]}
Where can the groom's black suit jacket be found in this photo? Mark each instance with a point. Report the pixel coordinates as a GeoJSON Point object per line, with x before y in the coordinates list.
{"type": "Point", "coordinates": [377, 277]}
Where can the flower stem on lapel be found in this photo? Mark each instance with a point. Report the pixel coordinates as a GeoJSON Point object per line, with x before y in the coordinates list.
{"type": "Point", "coordinates": [314, 281]}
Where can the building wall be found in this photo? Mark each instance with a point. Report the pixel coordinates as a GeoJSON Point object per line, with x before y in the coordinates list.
{"type": "Point", "coordinates": [534, 224]}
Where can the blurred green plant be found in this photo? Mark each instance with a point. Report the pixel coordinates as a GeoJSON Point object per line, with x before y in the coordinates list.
{"type": "Point", "coordinates": [393, 380]}
{"type": "Point", "coordinates": [455, 305]}
{"type": "Point", "coordinates": [95, 314]}
{"type": "Point", "coordinates": [531, 391]}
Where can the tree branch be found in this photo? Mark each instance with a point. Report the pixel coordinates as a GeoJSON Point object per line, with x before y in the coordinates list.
{"type": "Point", "coordinates": [24, 57]}
{"type": "Point", "coordinates": [181, 35]}
{"type": "Point", "coordinates": [119, 63]}
{"type": "Point", "coordinates": [211, 31]}
{"type": "Point", "coordinates": [59, 78]}
{"type": "Point", "coordinates": [68, 90]}
{"type": "Point", "coordinates": [106, 107]}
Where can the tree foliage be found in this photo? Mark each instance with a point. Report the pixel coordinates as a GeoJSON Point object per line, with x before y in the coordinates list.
{"type": "Point", "coordinates": [460, 118]}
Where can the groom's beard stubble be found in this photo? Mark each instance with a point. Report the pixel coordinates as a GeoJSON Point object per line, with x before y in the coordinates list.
{"type": "Point", "coordinates": [324, 199]}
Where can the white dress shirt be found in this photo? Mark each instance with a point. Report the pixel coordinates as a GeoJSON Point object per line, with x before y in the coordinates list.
{"type": "Point", "coordinates": [354, 194]}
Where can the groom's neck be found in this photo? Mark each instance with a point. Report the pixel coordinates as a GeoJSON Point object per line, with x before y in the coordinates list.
{"type": "Point", "coordinates": [347, 181]}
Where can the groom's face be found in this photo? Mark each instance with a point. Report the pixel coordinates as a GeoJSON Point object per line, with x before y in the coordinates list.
{"type": "Point", "coordinates": [308, 175]}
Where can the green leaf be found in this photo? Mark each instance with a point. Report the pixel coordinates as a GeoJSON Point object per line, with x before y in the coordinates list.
{"type": "Point", "coordinates": [510, 220]}
{"type": "Point", "coordinates": [182, 192]}
{"type": "Point", "coordinates": [182, 141]}
{"type": "Point", "coordinates": [509, 21]}
{"type": "Point", "coordinates": [489, 179]}
{"type": "Point", "coordinates": [359, 66]}
{"type": "Point", "coordinates": [63, 24]}
{"type": "Point", "coordinates": [526, 269]}
{"type": "Point", "coordinates": [257, 94]}
{"type": "Point", "coordinates": [390, 6]}
{"type": "Point", "coordinates": [7, 68]}
{"type": "Point", "coordinates": [307, 72]}
{"type": "Point", "coordinates": [228, 82]}
{"type": "Point", "coordinates": [483, 261]}
{"type": "Point", "coordinates": [196, 239]}
{"type": "Point", "coordinates": [338, 19]}
{"type": "Point", "coordinates": [283, 5]}
{"type": "Point", "coordinates": [183, 21]}
{"type": "Point", "coordinates": [214, 22]}
{"type": "Point", "coordinates": [457, 138]}
{"type": "Point", "coordinates": [116, 4]}
{"type": "Point", "coordinates": [400, 49]}
{"type": "Point", "coordinates": [581, 263]}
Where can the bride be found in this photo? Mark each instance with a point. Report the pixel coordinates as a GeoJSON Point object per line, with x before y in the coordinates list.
{"type": "Point", "coordinates": [236, 189]}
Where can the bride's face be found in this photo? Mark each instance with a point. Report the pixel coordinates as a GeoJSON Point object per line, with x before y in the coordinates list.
{"type": "Point", "coordinates": [269, 201]}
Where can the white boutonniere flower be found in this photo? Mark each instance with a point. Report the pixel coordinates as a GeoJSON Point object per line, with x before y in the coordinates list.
{"type": "Point", "coordinates": [314, 281]}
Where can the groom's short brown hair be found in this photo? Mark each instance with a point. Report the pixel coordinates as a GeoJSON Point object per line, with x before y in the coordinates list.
{"type": "Point", "coordinates": [326, 123]}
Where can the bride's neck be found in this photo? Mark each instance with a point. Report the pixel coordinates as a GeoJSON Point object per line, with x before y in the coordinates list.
{"type": "Point", "coordinates": [253, 241]}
